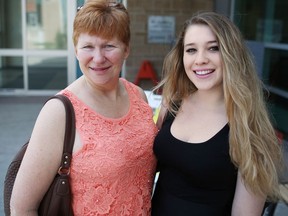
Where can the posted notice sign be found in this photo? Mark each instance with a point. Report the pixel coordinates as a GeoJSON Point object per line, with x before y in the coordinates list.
{"type": "Point", "coordinates": [161, 29]}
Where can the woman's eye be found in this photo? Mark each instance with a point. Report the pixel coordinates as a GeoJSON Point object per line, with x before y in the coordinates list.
{"type": "Point", "coordinates": [109, 46]}
{"type": "Point", "coordinates": [190, 50]}
{"type": "Point", "coordinates": [87, 47]}
{"type": "Point", "coordinates": [214, 48]}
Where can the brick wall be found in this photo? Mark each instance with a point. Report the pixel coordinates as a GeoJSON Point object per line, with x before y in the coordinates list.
{"type": "Point", "coordinates": [140, 48]}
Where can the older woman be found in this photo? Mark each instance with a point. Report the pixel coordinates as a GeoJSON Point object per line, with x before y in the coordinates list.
{"type": "Point", "coordinates": [113, 164]}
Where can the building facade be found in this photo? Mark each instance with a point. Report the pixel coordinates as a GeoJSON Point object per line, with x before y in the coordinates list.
{"type": "Point", "coordinates": [37, 53]}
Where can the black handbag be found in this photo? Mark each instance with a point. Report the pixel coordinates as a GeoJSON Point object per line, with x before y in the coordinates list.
{"type": "Point", "coordinates": [57, 200]}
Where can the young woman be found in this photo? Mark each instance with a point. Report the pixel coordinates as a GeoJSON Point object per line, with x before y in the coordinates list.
{"type": "Point", "coordinates": [217, 150]}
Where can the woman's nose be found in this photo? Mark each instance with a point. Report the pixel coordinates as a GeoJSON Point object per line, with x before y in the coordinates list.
{"type": "Point", "coordinates": [98, 55]}
{"type": "Point", "coordinates": [201, 58]}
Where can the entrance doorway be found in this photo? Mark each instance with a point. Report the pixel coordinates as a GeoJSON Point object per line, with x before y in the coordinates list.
{"type": "Point", "coordinates": [36, 52]}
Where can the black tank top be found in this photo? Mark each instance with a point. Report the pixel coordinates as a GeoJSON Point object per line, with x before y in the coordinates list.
{"type": "Point", "coordinates": [195, 179]}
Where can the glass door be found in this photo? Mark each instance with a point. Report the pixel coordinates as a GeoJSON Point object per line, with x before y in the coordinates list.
{"type": "Point", "coordinates": [11, 66]}
{"type": "Point", "coordinates": [35, 48]}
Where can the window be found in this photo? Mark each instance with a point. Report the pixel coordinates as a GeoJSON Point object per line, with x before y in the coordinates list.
{"type": "Point", "coordinates": [46, 31]}
{"type": "Point", "coordinates": [266, 22]}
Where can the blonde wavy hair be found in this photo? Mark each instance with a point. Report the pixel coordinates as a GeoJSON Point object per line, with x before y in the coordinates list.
{"type": "Point", "coordinates": [254, 147]}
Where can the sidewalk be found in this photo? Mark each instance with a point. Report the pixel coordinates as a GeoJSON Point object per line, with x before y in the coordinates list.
{"type": "Point", "coordinates": [17, 117]}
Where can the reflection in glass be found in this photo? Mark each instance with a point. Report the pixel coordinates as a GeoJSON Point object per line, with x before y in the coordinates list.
{"type": "Point", "coordinates": [47, 73]}
{"type": "Point", "coordinates": [10, 24]}
{"type": "Point", "coordinates": [260, 20]}
{"type": "Point", "coordinates": [46, 24]}
{"type": "Point", "coordinates": [276, 70]}
{"type": "Point", "coordinates": [279, 111]}
{"type": "Point", "coordinates": [11, 72]}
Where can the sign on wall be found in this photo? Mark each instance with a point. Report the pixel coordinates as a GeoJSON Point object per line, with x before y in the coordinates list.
{"type": "Point", "coordinates": [161, 29]}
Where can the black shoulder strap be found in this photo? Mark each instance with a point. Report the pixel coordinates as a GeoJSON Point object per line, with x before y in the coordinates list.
{"type": "Point", "coordinates": [69, 134]}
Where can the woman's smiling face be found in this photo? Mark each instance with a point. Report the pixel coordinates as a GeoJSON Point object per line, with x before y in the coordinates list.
{"type": "Point", "coordinates": [201, 58]}
{"type": "Point", "coordinates": [100, 60]}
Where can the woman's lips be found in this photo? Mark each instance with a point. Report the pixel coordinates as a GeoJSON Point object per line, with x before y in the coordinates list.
{"type": "Point", "coordinates": [203, 72]}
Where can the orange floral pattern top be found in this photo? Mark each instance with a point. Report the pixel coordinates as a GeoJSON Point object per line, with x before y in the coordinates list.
{"type": "Point", "coordinates": [113, 173]}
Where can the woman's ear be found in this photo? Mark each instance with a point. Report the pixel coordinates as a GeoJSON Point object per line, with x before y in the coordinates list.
{"type": "Point", "coordinates": [127, 51]}
{"type": "Point", "coordinates": [75, 51]}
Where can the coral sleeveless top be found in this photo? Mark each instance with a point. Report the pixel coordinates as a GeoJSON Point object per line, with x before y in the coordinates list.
{"type": "Point", "coordinates": [113, 173]}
